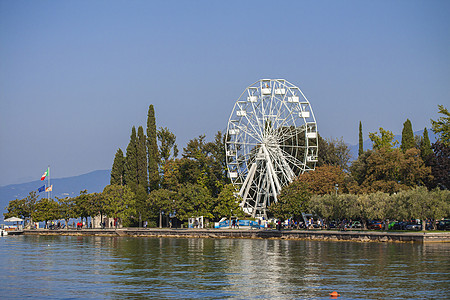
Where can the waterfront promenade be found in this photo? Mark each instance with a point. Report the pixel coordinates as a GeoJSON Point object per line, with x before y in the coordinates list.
{"type": "Point", "coordinates": [330, 235]}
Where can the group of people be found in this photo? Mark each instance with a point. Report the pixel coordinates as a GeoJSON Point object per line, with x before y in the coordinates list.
{"type": "Point", "coordinates": [54, 225]}
{"type": "Point", "coordinates": [103, 224]}
{"type": "Point", "coordinates": [235, 223]}
{"type": "Point", "coordinates": [197, 224]}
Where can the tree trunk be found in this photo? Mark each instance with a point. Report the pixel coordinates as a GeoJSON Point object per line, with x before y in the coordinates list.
{"type": "Point", "coordinates": [424, 225]}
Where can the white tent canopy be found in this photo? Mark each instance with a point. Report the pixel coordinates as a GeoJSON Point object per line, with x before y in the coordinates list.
{"type": "Point", "coordinates": [13, 219]}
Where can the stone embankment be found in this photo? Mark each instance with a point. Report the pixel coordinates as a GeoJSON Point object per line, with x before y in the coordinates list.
{"type": "Point", "coordinates": [327, 235]}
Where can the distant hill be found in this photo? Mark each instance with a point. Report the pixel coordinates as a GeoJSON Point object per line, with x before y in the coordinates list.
{"type": "Point", "coordinates": [93, 182]}
{"type": "Point", "coordinates": [368, 144]}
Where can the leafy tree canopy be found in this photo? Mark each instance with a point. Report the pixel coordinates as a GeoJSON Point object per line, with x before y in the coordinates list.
{"type": "Point", "coordinates": [384, 140]}
{"type": "Point", "coordinates": [324, 179]}
{"type": "Point", "coordinates": [227, 203]}
{"type": "Point", "coordinates": [333, 152]}
{"type": "Point", "coordinates": [292, 201]}
{"type": "Point", "coordinates": [442, 125]}
{"type": "Point", "coordinates": [119, 201]}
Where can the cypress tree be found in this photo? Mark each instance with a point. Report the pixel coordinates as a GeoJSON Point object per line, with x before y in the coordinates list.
{"type": "Point", "coordinates": [361, 146]}
{"type": "Point", "coordinates": [425, 147]}
{"type": "Point", "coordinates": [152, 150]}
{"type": "Point", "coordinates": [408, 141]}
{"type": "Point", "coordinates": [141, 150]}
{"type": "Point", "coordinates": [118, 169]}
{"type": "Point", "coordinates": [131, 175]}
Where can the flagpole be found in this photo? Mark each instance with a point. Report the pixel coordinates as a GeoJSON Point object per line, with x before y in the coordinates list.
{"type": "Point", "coordinates": [48, 182]}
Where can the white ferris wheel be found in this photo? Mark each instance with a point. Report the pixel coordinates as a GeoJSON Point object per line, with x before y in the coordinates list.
{"type": "Point", "coordinates": [271, 138]}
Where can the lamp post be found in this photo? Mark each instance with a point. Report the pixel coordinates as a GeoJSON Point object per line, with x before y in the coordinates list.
{"type": "Point", "coordinates": [174, 213]}
{"type": "Point", "coordinates": [336, 186]}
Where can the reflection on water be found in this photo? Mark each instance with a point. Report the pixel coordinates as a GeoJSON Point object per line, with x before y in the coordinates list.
{"type": "Point", "coordinates": [121, 267]}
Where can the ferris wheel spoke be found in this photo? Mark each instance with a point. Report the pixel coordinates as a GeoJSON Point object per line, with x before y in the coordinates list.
{"type": "Point", "coordinates": [245, 132]}
{"type": "Point", "coordinates": [283, 164]}
{"type": "Point", "coordinates": [252, 129]}
{"type": "Point", "coordinates": [292, 133]}
{"type": "Point", "coordinates": [293, 160]}
{"type": "Point", "coordinates": [290, 117]}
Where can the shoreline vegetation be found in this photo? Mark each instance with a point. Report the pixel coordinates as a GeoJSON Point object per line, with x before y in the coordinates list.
{"type": "Point", "coordinates": [407, 184]}
{"type": "Point", "coordinates": [319, 235]}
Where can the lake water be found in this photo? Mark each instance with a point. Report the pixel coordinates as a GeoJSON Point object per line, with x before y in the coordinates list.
{"type": "Point", "coordinates": [68, 267]}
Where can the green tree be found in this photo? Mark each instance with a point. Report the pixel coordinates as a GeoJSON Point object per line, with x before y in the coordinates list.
{"type": "Point", "coordinates": [202, 165]}
{"type": "Point", "coordinates": [292, 201]}
{"type": "Point", "coordinates": [218, 155]}
{"type": "Point", "coordinates": [359, 208]}
{"type": "Point", "coordinates": [96, 205]}
{"type": "Point", "coordinates": [334, 206]}
{"type": "Point", "coordinates": [441, 206]}
{"type": "Point", "coordinates": [141, 159]}
{"type": "Point", "coordinates": [118, 168]}
{"type": "Point", "coordinates": [333, 152]}
{"type": "Point", "coordinates": [168, 148]}
{"type": "Point", "coordinates": [227, 203]}
{"type": "Point", "coordinates": [361, 142]}
{"type": "Point", "coordinates": [162, 201]}
{"type": "Point", "coordinates": [82, 207]}
{"type": "Point", "coordinates": [16, 208]}
{"type": "Point", "coordinates": [389, 170]}
{"type": "Point", "coordinates": [440, 165]}
{"type": "Point", "coordinates": [425, 147]}
{"type": "Point", "coordinates": [141, 208]}
{"type": "Point", "coordinates": [193, 200]}
{"type": "Point", "coordinates": [23, 208]}
{"type": "Point", "coordinates": [152, 150]}
{"type": "Point", "coordinates": [46, 210]}
{"type": "Point", "coordinates": [421, 204]}
{"type": "Point", "coordinates": [407, 136]}
{"type": "Point", "coordinates": [172, 175]}
{"type": "Point", "coordinates": [119, 202]}
{"type": "Point", "coordinates": [442, 126]}
{"type": "Point", "coordinates": [384, 140]}
{"type": "Point", "coordinates": [131, 164]}
{"type": "Point", "coordinates": [66, 209]}
{"type": "Point", "coordinates": [380, 206]}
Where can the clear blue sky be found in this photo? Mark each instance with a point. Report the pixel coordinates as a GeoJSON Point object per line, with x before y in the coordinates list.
{"type": "Point", "coordinates": [75, 76]}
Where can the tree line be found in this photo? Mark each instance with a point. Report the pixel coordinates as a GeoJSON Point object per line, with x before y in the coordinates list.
{"type": "Point", "coordinates": [387, 182]}
{"type": "Point", "coordinates": [149, 182]}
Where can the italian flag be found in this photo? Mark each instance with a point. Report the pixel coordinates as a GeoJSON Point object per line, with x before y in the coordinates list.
{"type": "Point", "coordinates": [45, 174]}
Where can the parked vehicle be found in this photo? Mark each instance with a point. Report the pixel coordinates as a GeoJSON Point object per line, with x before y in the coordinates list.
{"type": "Point", "coordinates": [399, 225]}
{"type": "Point", "coordinates": [332, 225]}
{"type": "Point", "coordinates": [391, 225]}
{"type": "Point", "coordinates": [376, 225]}
{"type": "Point", "coordinates": [355, 224]}
{"type": "Point", "coordinates": [444, 224]}
{"type": "Point", "coordinates": [413, 226]}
